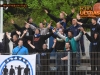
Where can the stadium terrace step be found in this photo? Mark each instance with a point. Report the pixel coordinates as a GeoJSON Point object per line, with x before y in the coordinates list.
{"type": "Point", "coordinates": [85, 60]}
{"type": "Point", "coordinates": [83, 69]}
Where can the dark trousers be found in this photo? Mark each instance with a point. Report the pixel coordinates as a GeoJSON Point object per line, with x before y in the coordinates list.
{"type": "Point", "coordinates": [44, 69]}
{"type": "Point", "coordinates": [59, 63]}
{"type": "Point", "coordinates": [65, 67]}
{"type": "Point", "coordinates": [90, 49]}
{"type": "Point", "coordinates": [45, 64]}
{"type": "Point", "coordinates": [95, 63]}
{"type": "Point", "coordinates": [82, 44]}
{"type": "Point", "coordinates": [65, 64]}
{"type": "Point", "coordinates": [78, 54]}
{"type": "Point", "coordinates": [73, 64]}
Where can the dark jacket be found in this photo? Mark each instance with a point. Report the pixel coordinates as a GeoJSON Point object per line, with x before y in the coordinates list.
{"type": "Point", "coordinates": [15, 43]}
{"type": "Point", "coordinates": [30, 31]}
{"type": "Point", "coordinates": [95, 43]}
{"type": "Point", "coordinates": [21, 29]}
{"type": "Point", "coordinates": [1, 47]}
{"type": "Point", "coordinates": [93, 28]}
{"type": "Point", "coordinates": [75, 29]}
{"type": "Point", "coordinates": [59, 44]}
{"type": "Point", "coordinates": [5, 42]}
{"type": "Point", "coordinates": [83, 20]}
{"type": "Point", "coordinates": [38, 41]}
{"type": "Point", "coordinates": [68, 18]}
{"type": "Point", "coordinates": [44, 55]}
{"type": "Point", "coordinates": [13, 33]}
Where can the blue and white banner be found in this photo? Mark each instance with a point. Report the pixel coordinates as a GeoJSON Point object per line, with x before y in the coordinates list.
{"type": "Point", "coordinates": [18, 64]}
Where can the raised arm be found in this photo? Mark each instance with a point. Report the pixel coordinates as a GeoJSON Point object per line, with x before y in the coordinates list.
{"type": "Point", "coordinates": [54, 35]}
{"type": "Point", "coordinates": [29, 42]}
{"type": "Point", "coordinates": [45, 37]}
{"type": "Point", "coordinates": [85, 20]}
{"type": "Point", "coordinates": [69, 17]}
{"type": "Point", "coordinates": [76, 38]}
{"type": "Point", "coordinates": [60, 35]}
{"type": "Point", "coordinates": [72, 12]}
{"type": "Point", "coordinates": [84, 25]}
{"type": "Point", "coordinates": [60, 40]}
{"type": "Point", "coordinates": [15, 25]}
{"type": "Point", "coordinates": [46, 30]}
{"type": "Point", "coordinates": [32, 27]}
{"type": "Point", "coordinates": [88, 37]}
{"type": "Point", "coordinates": [50, 50]}
{"type": "Point", "coordinates": [8, 36]}
{"type": "Point", "coordinates": [18, 33]}
{"type": "Point", "coordinates": [51, 16]}
{"type": "Point", "coordinates": [32, 46]}
{"type": "Point", "coordinates": [54, 43]}
{"type": "Point", "coordinates": [25, 31]}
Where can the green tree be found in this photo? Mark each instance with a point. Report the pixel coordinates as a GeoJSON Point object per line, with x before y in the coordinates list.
{"type": "Point", "coordinates": [36, 8]}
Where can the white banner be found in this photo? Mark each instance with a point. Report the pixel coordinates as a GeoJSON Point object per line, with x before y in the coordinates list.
{"type": "Point", "coordinates": [18, 64]}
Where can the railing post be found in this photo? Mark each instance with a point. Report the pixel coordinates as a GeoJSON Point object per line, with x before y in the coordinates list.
{"type": "Point", "coordinates": [68, 63]}
{"type": "Point", "coordinates": [1, 17]}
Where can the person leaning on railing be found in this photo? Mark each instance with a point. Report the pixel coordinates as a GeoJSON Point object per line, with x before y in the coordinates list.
{"type": "Point", "coordinates": [65, 57]}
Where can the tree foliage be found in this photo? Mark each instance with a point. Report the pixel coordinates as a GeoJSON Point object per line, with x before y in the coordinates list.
{"type": "Point", "coordinates": [36, 8]}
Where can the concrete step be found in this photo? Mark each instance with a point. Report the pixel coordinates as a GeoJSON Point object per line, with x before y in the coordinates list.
{"type": "Point", "coordinates": [76, 73]}
{"type": "Point", "coordinates": [83, 69]}
{"type": "Point", "coordinates": [83, 59]}
{"type": "Point", "coordinates": [83, 66]}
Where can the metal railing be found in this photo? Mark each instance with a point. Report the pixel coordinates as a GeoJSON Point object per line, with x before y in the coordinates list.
{"type": "Point", "coordinates": [45, 65]}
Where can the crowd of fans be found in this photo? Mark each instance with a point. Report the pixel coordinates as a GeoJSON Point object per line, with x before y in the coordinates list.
{"type": "Point", "coordinates": [31, 39]}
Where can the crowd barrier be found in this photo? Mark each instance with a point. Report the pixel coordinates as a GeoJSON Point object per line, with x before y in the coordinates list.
{"type": "Point", "coordinates": [56, 66]}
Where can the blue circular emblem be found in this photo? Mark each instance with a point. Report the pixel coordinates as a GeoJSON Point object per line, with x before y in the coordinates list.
{"type": "Point", "coordinates": [15, 58]}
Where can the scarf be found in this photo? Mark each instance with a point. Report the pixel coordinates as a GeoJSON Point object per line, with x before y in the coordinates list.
{"type": "Point", "coordinates": [37, 35]}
